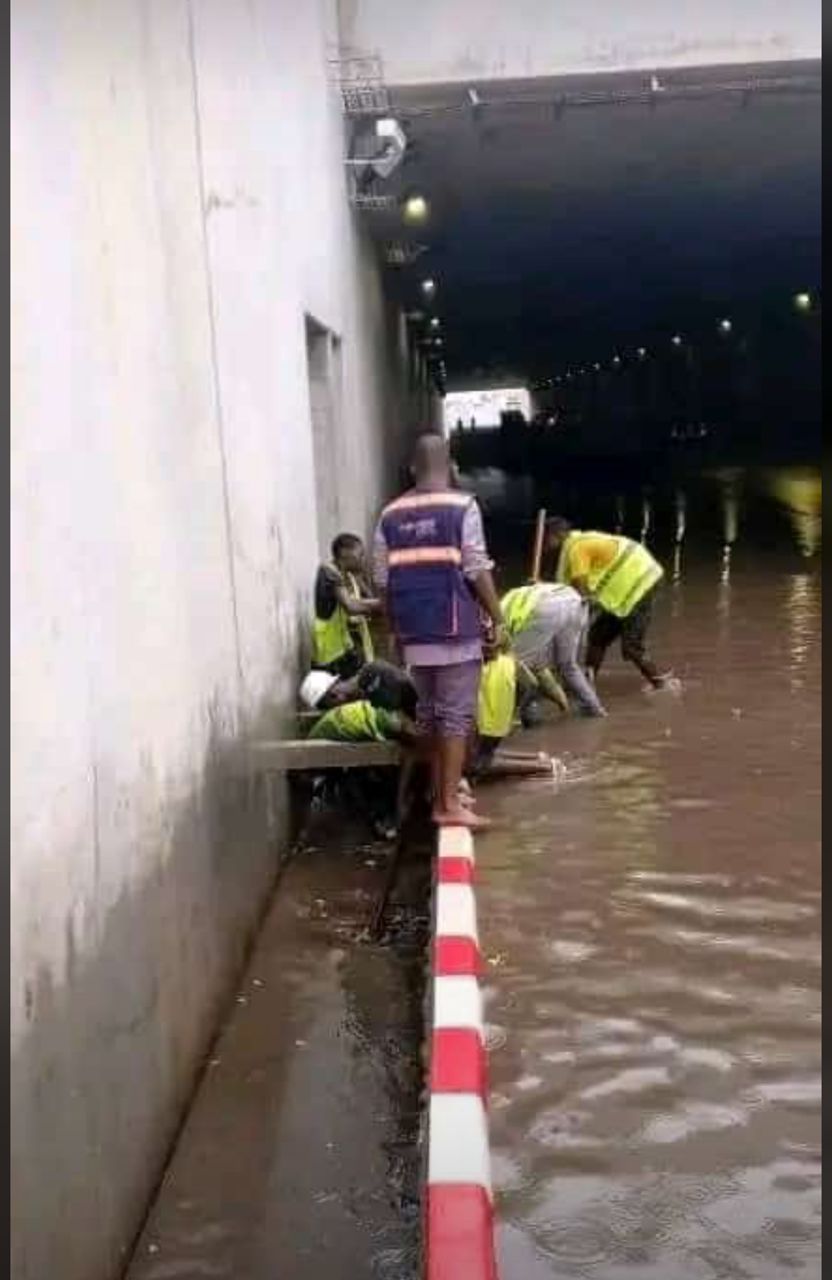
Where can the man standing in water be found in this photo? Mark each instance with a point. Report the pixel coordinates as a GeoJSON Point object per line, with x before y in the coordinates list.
{"type": "Point", "coordinates": [620, 577]}
{"type": "Point", "coordinates": [433, 569]}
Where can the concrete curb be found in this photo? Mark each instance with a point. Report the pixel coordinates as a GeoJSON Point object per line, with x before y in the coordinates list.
{"type": "Point", "coordinates": [459, 1218]}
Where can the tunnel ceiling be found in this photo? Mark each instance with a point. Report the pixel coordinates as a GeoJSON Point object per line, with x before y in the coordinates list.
{"type": "Point", "coordinates": [561, 232]}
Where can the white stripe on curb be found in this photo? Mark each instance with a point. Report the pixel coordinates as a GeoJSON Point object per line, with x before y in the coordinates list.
{"type": "Point", "coordinates": [456, 842]}
{"type": "Point", "coordinates": [458, 1140]}
{"type": "Point", "coordinates": [456, 912]}
{"type": "Point", "coordinates": [457, 1002]}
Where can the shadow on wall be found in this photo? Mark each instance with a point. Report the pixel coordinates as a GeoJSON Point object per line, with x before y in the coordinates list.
{"type": "Point", "coordinates": [104, 1072]}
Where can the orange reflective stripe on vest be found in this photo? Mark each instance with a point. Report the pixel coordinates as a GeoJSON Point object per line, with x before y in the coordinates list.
{"type": "Point", "coordinates": [424, 555]}
{"type": "Point", "coordinates": [419, 501]}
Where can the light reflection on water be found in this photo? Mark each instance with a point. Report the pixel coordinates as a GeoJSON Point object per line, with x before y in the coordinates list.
{"type": "Point", "coordinates": [799, 492]}
{"type": "Point", "coordinates": [655, 1012]}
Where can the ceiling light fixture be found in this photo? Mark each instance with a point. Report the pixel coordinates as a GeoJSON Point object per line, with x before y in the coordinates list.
{"type": "Point", "coordinates": [415, 208]}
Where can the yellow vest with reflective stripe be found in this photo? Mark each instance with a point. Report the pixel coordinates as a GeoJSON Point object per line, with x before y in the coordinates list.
{"type": "Point", "coordinates": [353, 722]}
{"type": "Point", "coordinates": [497, 697]}
{"type": "Point", "coordinates": [519, 605]}
{"type": "Point", "coordinates": [332, 637]}
{"type": "Point", "coordinates": [620, 586]}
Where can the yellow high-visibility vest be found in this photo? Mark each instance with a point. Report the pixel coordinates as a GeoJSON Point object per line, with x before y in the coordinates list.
{"type": "Point", "coordinates": [518, 605]}
{"type": "Point", "coordinates": [356, 722]}
{"type": "Point", "coordinates": [619, 586]}
{"type": "Point", "coordinates": [332, 637]}
{"type": "Point", "coordinates": [497, 697]}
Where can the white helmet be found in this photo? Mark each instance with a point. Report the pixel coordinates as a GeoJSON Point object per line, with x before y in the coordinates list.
{"type": "Point", "coordinates": [315, 687]}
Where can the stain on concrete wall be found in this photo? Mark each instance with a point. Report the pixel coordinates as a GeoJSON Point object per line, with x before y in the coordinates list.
{"type": "Point", "coordinates": [178, 206]}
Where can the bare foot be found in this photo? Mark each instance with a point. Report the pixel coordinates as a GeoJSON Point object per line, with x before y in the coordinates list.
{"type": "Point", "coordinates": [465, 796]}
{"type": "Point", "coordinates": [460, 818]}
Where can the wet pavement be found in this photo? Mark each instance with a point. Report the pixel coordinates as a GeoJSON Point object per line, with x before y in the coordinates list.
{"type": "Point", "coordinates": [652, 929]}
{"type": "Point", "coordinates": [300, 1155]}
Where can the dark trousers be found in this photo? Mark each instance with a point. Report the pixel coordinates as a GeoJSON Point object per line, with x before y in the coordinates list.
{"type": "Point", "coordinates": [631, 631]}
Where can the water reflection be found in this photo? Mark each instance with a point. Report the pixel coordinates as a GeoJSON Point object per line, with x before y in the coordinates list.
{"type": "Point", "coordinates": [681, 509]}
{"type": "Point", "coordinates": [799, 492]}
{"type": "Point", "coordinates": [802, 620]}
{"type": "Point", "coordinates": [646, 516]}
{"type": "Point", "coordinates": [681, 515]}
{"type": "Point", "coordinates": [723, 598]}
{"type": "Point", "coordinates": [730, 511]}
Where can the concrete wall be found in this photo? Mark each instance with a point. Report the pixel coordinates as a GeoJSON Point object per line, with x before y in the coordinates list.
{"type": "Point", "coordinates": [447, 40]}
{"type": "Point", "coordinates": [178, 208]}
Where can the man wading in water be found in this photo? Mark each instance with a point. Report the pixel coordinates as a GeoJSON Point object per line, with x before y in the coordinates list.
{"type": "Point", "coordinates": [433, 570]}
{"type": "Point", "coordinates": [620, 577]}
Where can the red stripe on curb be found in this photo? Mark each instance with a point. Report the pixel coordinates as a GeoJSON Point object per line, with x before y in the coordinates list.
{"type": "Point", "coordinates": [460, 1233]}
{"type": "Point", "coordinates": [456, 958]}
{"type": "Point", "coordinates": [455, 871]}
{"type": "Point", "coordinates": [458, 1062]}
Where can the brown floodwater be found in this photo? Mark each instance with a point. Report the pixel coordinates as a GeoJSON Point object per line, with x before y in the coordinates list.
{"type": "Point", "coordinates": [652, 929]}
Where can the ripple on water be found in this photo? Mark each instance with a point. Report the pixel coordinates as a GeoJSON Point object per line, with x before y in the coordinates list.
{"type": "Point", "coordinates": [793, 1093]}
{"type": "Point", "coordinates": [633, 1080]}
{"type": "Point", "coordinates": [571, 951]}
{"type": "Point", "coordinates": [691, 1118]}
{"type": "Point", "coordinates": [495, 1037]}
{"type": "Point", "coordinates": [744, 910]}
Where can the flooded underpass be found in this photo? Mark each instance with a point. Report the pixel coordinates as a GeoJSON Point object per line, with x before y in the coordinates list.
{"type": "Point", "coordinates": [652, 926]}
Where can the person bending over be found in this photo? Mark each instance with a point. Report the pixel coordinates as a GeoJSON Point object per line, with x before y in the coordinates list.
{"type": "Point", "coordinates": [496, 710]}
{"type": "Point", "coordinates": [620, 578]}
{"type": "Point", "coordinates": [377, 705]}
{"type": "Point", "coordinates": [546, 622]}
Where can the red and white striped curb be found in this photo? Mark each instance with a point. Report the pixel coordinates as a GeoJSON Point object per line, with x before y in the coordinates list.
{"type": "Point", "coordinates": [459, 1219]}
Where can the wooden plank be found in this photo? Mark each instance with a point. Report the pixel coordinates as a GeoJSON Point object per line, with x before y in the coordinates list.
{"type": "Point", "coordinates": [296, 755]}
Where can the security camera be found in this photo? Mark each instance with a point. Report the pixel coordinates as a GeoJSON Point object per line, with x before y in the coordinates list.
{"type": "Point", "coordinates": [390, 133]}
{"type": "Point", "coordinates": [377, 151]}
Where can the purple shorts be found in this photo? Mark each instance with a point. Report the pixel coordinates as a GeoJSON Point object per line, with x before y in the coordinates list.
{"type": "Point", "coordinates": [447, 698]}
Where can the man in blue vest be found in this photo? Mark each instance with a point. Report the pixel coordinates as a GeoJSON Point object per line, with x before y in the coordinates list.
{"type": "Point", "coordinates": [433, 571]}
